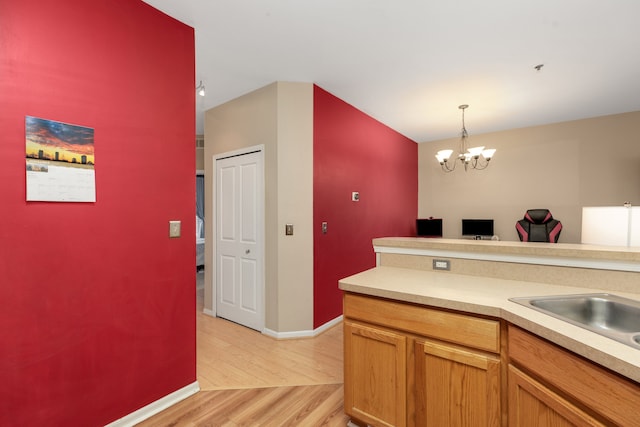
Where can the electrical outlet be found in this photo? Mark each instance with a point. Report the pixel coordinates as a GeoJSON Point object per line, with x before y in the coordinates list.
{"type": "Point", "coordinates": [442, 264]}
{"type": "Point", "coordinates": [355, 196]}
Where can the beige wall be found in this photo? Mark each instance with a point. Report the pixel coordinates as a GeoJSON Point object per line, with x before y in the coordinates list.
{"type": "Point", "coordinates": [280, 117]}
{"type": "Point", "coordinates": [295, 206]}
{"type": "Point", "coordinates": [562, 167]}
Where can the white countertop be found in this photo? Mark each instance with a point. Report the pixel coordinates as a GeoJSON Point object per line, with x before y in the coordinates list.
{"type": "Point", "coordinates": [490, 296]}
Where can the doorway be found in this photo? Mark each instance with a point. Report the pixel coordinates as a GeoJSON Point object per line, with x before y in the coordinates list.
{"type": "Point", "coordinates": [199, 222]}
{"type": "Point", "coordinates": [240, 238]}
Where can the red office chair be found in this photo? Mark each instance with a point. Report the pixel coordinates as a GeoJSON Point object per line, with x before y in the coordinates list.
{"type": "Point", "coordinates": [538, 225]}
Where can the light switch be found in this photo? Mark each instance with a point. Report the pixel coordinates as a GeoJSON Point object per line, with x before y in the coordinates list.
{"type": "Point", "coordinates": [324, 228]}
{"type": "Point", "coordinates": [174, 229]}
{"type": "Point", "coordinates": [288, 229]}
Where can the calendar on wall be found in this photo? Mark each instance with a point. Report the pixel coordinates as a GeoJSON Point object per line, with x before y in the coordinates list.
{"type": "Point", "coordinates": [60, 161]}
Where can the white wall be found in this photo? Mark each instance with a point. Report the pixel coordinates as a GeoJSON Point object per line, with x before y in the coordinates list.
{"type": "Point", "coordinates": [562, 167]}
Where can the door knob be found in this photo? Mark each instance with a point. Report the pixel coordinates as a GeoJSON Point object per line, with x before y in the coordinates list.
{"type": "Point", "coordinates": [247, 251]}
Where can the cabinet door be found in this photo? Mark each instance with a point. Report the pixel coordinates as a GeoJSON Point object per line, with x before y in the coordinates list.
{"type": "Point", "coordinates": [455, 386]}
{"type": "Point", "coordinates": [531, 404]}
{"type": "Point", "coordinates": [611, 398]}
{"type": "Point", "coordinates": [375, 375]}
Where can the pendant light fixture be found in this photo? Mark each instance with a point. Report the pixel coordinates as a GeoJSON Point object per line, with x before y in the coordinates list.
{"type": "Point", "coordinates": [474, 158]}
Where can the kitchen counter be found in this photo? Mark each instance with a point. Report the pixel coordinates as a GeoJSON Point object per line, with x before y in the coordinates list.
{"type": "Point", "coordinates": [490, 295]}
{"type": "Point", "coordinates": [510, 247]}
{"type": "Point", "coordinates": [566, 254]}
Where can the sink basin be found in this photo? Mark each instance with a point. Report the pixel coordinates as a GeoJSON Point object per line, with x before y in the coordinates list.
{"type": "Point", "coordinates": [610, 315]}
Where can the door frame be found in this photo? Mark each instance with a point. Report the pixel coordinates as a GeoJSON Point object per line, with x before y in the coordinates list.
{"type": "Point", "coordinates": [213, 284]}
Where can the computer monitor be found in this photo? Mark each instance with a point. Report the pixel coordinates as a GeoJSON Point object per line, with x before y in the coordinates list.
{"type": "Point", "coordinates": [477, 227]}
{"type": "Point", "coordinates": [431, 227]}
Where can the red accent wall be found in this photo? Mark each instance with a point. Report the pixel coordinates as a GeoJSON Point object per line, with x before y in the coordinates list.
{"type": "Point", "coordinates": [98, 304]}
{"type": "Point", "coordinates": [354, 152]}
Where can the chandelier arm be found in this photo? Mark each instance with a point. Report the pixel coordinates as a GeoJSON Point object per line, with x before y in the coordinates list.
{"type": "Point", "coordinates": [446, 168]}
{"type": "Point", "coordinates": [480, 165]}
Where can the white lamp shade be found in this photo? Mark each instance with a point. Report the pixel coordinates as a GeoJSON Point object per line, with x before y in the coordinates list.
{"type": "Point", "coordinates": [475, 151]}
{"type": "Point", "coordinates": [634, 226]}
{"type": "Point", "coordinates": [488, 153]}
{"type": "Point", "coordinates": [610, 226]}
{"type": "Point", "coordinates": [445, 154]}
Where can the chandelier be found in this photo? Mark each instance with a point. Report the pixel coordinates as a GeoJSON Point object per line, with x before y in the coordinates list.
{"type": "Point", "coordinates": [474, 158]}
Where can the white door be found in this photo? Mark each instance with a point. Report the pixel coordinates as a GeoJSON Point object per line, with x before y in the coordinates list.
{"type": "Point", "coordinates": [239, 241]}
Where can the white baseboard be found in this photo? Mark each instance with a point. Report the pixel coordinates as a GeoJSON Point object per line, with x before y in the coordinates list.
{"type": "Point", "coordinates": [156, 407]}
{"type": "Point", "coordinates": [302, 334]}
{"type": "Point", "coordinates": [209, 312]}
{"type": "Point", "coordinates": [328, 325]}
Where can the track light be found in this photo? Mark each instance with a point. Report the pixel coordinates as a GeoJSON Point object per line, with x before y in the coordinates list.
{"type": "Point", "coordinates": [200, 89]}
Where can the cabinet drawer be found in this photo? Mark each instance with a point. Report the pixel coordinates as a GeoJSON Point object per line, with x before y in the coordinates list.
{"type": "Point", "coordinates": [466, 330]}
{"type": "Point", "coordinates": [608, 394]}
{"type": "Point", "coordinates": [531, 404]}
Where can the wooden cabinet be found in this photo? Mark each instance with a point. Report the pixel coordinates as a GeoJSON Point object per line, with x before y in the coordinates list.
{"type": "Point", "coordinates": [550, 386]}
{"type": "Point", "coordinates": [531, 404]}
{"type": "Point", "coordinates": [411, 365]}
{"type": "Point", "coordinates": [456, 386]}
{"type": "Point", "coordinates": [375, 374]}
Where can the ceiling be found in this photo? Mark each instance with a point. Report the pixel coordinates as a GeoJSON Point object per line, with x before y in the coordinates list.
{"type": "Point", "coordinates": [410, 63]}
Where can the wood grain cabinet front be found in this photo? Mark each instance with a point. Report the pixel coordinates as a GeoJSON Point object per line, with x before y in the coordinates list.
{"type": "Point", "coordinates": [413, 365]}
{"type": "Point", "coordinates": [531, 404]}
{"type": "Point", "coordinates": [551, 386]}
{"type": "Point", "coordinates": [456, 386]}
{"type": "Point", "coordinates": [375, 375]}
{"type": "Point", "coordinates": [410, 365]}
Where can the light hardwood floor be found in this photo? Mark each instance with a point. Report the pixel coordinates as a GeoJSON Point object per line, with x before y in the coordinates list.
{"type": "Point", "coordinates": [249, 379]}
